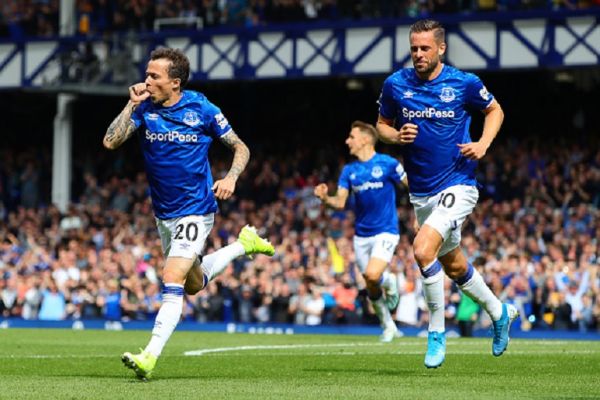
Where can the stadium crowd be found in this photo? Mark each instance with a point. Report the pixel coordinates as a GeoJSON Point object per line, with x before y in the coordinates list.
{"type": "Point", "coordinates": [20, 18]}
{"type": "Point", "coordinates": [535, 236]}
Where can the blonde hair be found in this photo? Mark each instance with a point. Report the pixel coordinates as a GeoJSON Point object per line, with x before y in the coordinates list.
{"type": "Point", "coordinates": [367, 129]}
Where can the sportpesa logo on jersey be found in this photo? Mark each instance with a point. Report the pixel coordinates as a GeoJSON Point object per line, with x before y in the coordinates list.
{"type": "Point", "coordinates": [171, 136]}
{"type": "Point", "coordinates": [367, 186]}
{"type": "Point", "coordinates": [429, 112]}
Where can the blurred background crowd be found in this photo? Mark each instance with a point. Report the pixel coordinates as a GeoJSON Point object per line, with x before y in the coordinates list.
{"type": "Point", "coordinates": [20, 18]}
{"type": "Point", "coordinates": [534, 236]}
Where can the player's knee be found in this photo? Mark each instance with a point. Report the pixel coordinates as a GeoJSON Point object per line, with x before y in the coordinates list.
{"type": "Point", "coordinates": [193, 283]}
{"type": "Point", "coordinates": [455, 263]}
{"type": "Point", "coordinates": [173, 277]}
{"type": "Point", "coordinates": [191, 288]}
{"type": "Point", "coordinates": [372, 278]}
{"type": "Point", "coordinates": [455, 272]}
{"type": "Point", "coordinates": [423, 254]}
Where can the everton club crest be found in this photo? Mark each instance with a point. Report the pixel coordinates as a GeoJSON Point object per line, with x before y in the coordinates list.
{"type": "Point", "coordinates": [447, 94]}
{"type": "Point", "coordinates": [191, 118]}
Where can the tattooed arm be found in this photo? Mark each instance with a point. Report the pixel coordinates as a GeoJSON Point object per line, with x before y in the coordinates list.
{"type": "Point", "coordinates": [241, 154]}
{"type": "Point", "coordinates": [122, 127]}
{"type": "Point", "coordinates": [225, 187]}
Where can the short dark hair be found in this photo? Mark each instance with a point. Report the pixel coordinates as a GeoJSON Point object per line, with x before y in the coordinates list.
{"type": "Point", "coordinates": [180, 65]}
{"type": "Point", "coordinates": [366, 128]}
{"type": "Point", "coordinates": [426, 25]}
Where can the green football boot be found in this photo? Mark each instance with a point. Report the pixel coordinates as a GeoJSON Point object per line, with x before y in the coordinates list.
{"type": "Point", "coordinates": [142, 364]}
{"type": "Point", "coordinates": [254, 244]}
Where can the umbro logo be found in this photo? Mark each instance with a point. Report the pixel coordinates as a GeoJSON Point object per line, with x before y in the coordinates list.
{"type": "Point", "coordinates": [408, 95]}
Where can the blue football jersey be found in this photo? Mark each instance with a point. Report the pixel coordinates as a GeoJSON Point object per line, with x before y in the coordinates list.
{"type": "Point", "coordinates": [372, 184]}
{"type": "Point", "coordinates": [175, 142]}
{"type": "Point", "coordinates": [441, 109]}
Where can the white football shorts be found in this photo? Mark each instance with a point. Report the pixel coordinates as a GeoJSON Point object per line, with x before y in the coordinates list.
{"type": "Point", "coordinates": [185, 236]}
{"type": "Point", "coordinates": [445, 212]}
{"type": "Point", "coordinates": [381, 246]}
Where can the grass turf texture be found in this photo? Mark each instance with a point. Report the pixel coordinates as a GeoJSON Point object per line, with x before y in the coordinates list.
{"type": "Point", "coordinates": [66, 364]}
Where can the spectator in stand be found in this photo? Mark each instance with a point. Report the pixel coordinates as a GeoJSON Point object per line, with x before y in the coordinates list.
{"type": "Point", "coordinates": [314, 307]}
{"type": "Point", "coordinates": [298, 304]}
{"type": "Point", "coordinates": [409, 287]}
{"type": "Point", "coordinates": [33, 298]}
{"type": "Point", "coordinates": [345, 295]}
{"type": "Point", "coordinates": [110, 302]}
{"type": "Point", "coordinates": [100, 17]}
{"type": "Point", "coordinates": [9, 305]}
{"type": "Point", "coordinates": [54, 305]}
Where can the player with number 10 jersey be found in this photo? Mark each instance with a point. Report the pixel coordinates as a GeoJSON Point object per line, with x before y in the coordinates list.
{"type": "Point", "coordinates": [426, 110]}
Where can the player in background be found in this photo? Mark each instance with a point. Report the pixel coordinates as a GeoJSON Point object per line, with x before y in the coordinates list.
{"type": "Point", "coordinates": [372, 180]}
{"type": "Point", "coordinates": [425, 110]}
{"type": "Point", "coordinates": [178, 128]}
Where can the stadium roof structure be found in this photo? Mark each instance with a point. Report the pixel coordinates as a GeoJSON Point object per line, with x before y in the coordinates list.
{"type": "Point", "coordinates": [493, 41]}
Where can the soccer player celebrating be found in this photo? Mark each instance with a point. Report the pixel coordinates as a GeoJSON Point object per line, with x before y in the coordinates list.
{"type": "Point", "coordinates": [425, 110]}
{"type": "Point", "coordinates": [372, 179]}
{"type": "Point", "coordinates": [179, 126]}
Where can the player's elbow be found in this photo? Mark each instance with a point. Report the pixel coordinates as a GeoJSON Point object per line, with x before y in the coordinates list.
{"type": "Point", "coordinates": [500, 113]}
{"type": "Point", "coordinates": [108, 144]}
{"type": "Point", "coordinates": [496, 109]}
{"type": "Point", "coordinates": [381, 135]}
{"type": "Point", "coordinates": [241, 148]}
{"type": "Point", "coordinates": [339, 205]}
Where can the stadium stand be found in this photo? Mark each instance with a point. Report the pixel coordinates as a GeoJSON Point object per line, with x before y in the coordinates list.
{"type": "Point", "coordinates": [40, 18]}
{"type": "Point", "coordinates": [534, 237]}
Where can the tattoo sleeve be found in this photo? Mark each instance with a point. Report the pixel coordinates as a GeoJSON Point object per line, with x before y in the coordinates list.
{"type": "Point", "coordinates": [121, 128]}
{"type": "Point", "coordinates": [241, 154]}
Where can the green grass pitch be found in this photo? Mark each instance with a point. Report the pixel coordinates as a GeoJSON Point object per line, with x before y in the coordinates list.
{"type": "Point", "coordinates": [66, 364]}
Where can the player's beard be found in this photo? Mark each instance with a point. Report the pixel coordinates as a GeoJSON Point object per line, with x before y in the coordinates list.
{"type": "Point", "coordinates": [158, 100]}
{"type": "Point", "coordinates": [429, 67]}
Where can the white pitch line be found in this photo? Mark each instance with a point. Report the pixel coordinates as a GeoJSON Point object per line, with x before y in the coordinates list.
{"type": "Point", "coordinates": [294, 346]}
{"type": "Point", "coordinates": [274, 347]}
{"type": "Point", "coordinates": [531, 353]}
{"type": "Point", "coordinates": [201, 352]}
{"type": "Point", "coordinates": [422, 352]}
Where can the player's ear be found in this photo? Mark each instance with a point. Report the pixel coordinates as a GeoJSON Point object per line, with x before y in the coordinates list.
{"type": "Point", "coordinates": [176, 84]}
{"type": "Point", "coordinates": [442, 49]}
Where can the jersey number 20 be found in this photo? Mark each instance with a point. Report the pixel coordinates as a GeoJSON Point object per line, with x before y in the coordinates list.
{"type": "Point", "coordinates": [191, 231]}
